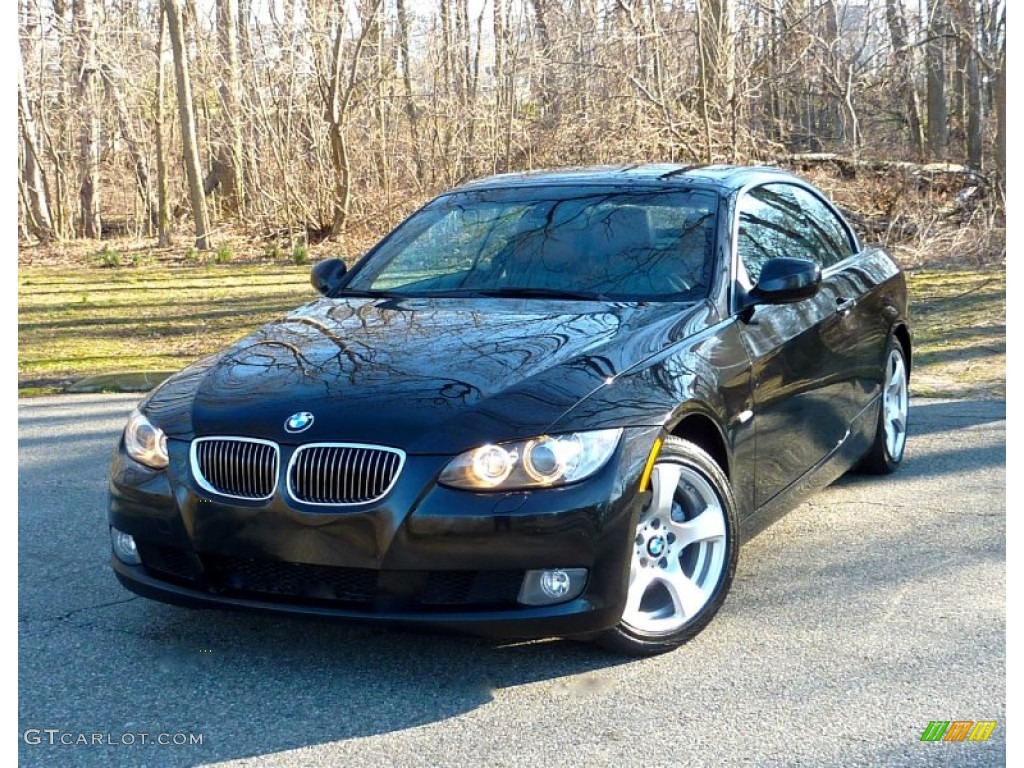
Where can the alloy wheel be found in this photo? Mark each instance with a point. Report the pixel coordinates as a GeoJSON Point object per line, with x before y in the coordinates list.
{"type": "Point", "coordinates": [896, 402]}
{"type": "Point", "coordinates": [679, 552]}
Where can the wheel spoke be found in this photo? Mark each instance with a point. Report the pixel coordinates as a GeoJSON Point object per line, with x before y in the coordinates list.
{"type": "Point", "coordinates": [895, 390]}
{"type": "Point", "coordinates": [640, 580]}
{"type": "Point", "coordinates": [664, 480]}
{"type": "Point", "coordinates": [687, 597]}
{"type": "Point", "coordinates": [709, 525]}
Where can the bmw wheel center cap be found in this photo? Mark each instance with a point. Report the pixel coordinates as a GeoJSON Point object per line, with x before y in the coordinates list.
{"type": "Point", "coordinates": [298, 422]}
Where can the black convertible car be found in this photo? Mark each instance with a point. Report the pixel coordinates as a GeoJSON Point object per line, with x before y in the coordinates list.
{"type": "Point", "coordinates": [546, 404]}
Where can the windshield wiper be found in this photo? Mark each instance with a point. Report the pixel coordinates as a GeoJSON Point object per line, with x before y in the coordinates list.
{"type": "Point", "coordinates": [541, 293]}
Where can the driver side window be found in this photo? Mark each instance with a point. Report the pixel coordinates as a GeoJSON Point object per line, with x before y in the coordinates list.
{"type": "Point", "coordinates": [786, 220]}
{"type": "Point", "coordinates": [770, 227]}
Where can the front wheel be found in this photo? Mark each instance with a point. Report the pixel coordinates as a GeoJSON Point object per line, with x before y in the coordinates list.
{"type": "Point", "coordinates": [683, 556]}
{"type": "Point", "coordinates": [886, 452]}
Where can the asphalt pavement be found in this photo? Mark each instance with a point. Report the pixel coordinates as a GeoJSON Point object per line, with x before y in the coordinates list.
{"type": "Point", "coordinates": [873, 609]}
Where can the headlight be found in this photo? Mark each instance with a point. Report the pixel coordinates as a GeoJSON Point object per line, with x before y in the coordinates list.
{"type": "Point", "coordinates": [541, 462]}
{"type": "Point", "coordinates": [144, 442]}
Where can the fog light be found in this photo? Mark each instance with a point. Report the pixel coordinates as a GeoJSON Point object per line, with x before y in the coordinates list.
{"type": "Point", "coordinates": [124, 547]}
{"type": "Point", "coordinates": [554, 585]}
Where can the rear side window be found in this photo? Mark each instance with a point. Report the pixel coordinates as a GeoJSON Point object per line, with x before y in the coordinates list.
{"type": "Point", "coordinates": [822, 228]}
{"type": "Point", "coordinates": [779, 220]}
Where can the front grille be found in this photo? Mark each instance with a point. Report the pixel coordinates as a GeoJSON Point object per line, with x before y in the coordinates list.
{"type": "Point", "coordinates": [362, 587]}
{"type": "Point", "coordinates": [239, 467]}
{"type": "Point", "coordinates": [342, 473]}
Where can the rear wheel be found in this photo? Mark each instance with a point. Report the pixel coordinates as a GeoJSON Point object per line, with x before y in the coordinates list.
{"type": "Point", "coordinates": [683, 556]}
{"type": "Point", "coordinates": [886, 452]}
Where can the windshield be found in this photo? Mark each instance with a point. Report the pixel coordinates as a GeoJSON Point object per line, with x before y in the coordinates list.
{"type": "Point", "coordinates": [550, 241]}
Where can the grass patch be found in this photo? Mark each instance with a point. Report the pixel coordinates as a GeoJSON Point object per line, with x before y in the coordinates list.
{"type": "Point", "coordinates": [108, 258]}
{"type": "Point", "coordinates": [959, 322]}
{"type": "Point", "coordinates": [39, 391]}
{"type": "Point", "coordinates": [73, 324]}
{"type": "Point", "coordinates": [87, 321]}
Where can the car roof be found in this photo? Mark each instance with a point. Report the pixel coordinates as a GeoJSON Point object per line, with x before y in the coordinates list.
{"type": "Point", "coordinates": [724, 177]}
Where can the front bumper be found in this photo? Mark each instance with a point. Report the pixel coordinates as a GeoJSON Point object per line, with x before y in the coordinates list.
{"type": "Point", "coordinates": [425, 554]}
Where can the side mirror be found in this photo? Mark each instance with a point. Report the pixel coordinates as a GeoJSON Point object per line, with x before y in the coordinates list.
{"type": "Point", "coordinates": [785, 281]}
{"type": "Point", "coordinates": [326, 275]}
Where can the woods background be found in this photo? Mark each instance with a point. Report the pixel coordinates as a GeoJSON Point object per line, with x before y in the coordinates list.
{"type": "Point", "coordinates": [289, 123]}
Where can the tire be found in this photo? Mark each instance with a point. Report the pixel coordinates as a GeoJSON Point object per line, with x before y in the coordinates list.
{"type": "Point", "coordinates": [675, 590]}
{"type": "Point", "coordinates": [890, 441]}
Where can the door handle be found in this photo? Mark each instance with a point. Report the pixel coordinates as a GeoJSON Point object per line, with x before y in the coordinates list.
{"type": "Point", "coordinates": [843, 306]}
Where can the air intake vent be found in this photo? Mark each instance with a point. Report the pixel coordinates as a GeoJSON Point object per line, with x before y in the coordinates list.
{"type": "Point", "coordinates": [343, 473]}
{"type": "Point", "coordinates": [239, 467]}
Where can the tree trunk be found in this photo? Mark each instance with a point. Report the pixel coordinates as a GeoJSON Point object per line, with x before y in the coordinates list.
{"type": "Point", "coordinates": [498, 32]}
{"type": "Point", "coordinates": [40, 223]}
{"type": "Point", "coordinates": [337, 112]}
{"type": "Point", "coordinates": [548, 100]}
{"type": "Point", "coordinates": [84, 26]}
{"type": "Point", "coordinates": [336, 132]}
{"type": "Point", "coordinates": [938, 132]}
{"type": "Point", "coordinates": [717, 66]}
{"type": "Point", "coordinates": [1001, 117]}
{"type": "Point", "coordinates": [231, 151]}
{"type": "Point", "coordinates": [379, 106]}
{"type": "Point", "coordinates": [973, 112]}
{"type": "Point", "coordinates": [244, 15]}
{"type": "Point", "coordinates": [410, 101]}
{"type": "Point", "coordinates": [904, 82]}
{"type": "Point", "coordinates": [163, 218]}
{"type": "Point", "coordinates": [188, 125]}
{"type": "Point", "coordinates": [833, 126]}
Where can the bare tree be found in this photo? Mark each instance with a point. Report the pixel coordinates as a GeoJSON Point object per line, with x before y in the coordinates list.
{"type": "Point", "coordinates": [163, 218]}
{"type": "Point", "coordinates": [717, 67]}
{"type": "Point", "coordinates": [974, 111]}
{"type": "Point", "coordinates": [902, 54]}
{"type": "Point", "coordinates": [231, 156]}
{"type": "Point", "coordinates": [938, 130]}
{"type": "Point", "coordinates": [137, 153]}
{"type": "Point", "coordinates": [1001, 120]}
{"type": "Point", "coordinates": [411, 111]}
{"type": "Point", "coordinates": [39, 223]}
{"type": "Point", "coordinates": [186, 117]}
{"type": "Point", "coordinates": [322, 118]}
{"type": "Point", "coordinates": [89, 113]}
{"type": "Point", "coordinates": [338, 100]}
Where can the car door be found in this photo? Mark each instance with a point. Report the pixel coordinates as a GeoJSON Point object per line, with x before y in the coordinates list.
{"type": "Point", "coordinates": [856, 336]}
{"type": "Point", "coordinates": [800, 353]}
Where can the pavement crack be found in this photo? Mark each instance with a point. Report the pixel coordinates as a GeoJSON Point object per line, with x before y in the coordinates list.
{"type": "Point", "coordinates": [67, 616]}
{"type": "Point", "coordinates": [73, 612]}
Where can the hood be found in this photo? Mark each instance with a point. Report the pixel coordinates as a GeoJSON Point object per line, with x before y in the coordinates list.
{"type": "Point", "coordinates": [425, 375]}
